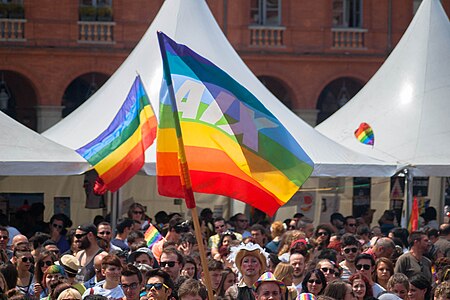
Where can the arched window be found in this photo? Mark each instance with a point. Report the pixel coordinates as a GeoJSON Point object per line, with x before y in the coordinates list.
{"type": "Point", "coordinates": [265, 12]}
{"type": "Point", "coordinates": [277, 88]}
{"type": "Point", "coordinates": [347, 13]}
{"type": "Point", "coordinates": [335, 95]}
{"type": "Point", "coordinates": [80, 90]}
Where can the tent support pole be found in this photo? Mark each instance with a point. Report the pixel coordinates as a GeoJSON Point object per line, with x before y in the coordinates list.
{"type": "Point", "coordinates": [408, 194]}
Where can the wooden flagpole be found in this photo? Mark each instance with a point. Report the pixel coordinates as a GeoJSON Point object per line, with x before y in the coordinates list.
{"type": "Point", "coordinates": [184, 170]}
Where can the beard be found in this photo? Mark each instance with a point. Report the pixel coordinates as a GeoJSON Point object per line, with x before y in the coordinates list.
{"type": "Point", "coordinates": [85, 243]}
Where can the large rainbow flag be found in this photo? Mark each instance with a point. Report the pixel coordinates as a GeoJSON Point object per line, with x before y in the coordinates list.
{"type": "Point", "coordinates": [234, 145]}
{"type": "Point", "coordinates": [118, 153]}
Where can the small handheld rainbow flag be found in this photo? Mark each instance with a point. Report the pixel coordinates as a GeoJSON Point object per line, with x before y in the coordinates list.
{"type": "Point", "coordinates": [152, 236]}
{"type": "Point", "coordinates": [364, 134]}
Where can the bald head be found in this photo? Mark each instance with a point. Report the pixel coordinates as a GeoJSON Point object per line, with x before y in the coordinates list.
{"type": "Point", "coordinates": [19, 241]}
{"type": "Point", "coordinates": [98, 265]}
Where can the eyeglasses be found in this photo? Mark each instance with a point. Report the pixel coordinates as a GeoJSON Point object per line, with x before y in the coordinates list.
{"type": "Point", "coordinates": [329, 271]}
{"type": "Point", "coordinates": [322, 233]}
{"type": "Point", "coordinates": [57, 226]}
{"type": "Point", "coordinates": [365, 267]}
{"type": "Point", "coordinates": [167, 263]}
{"type": "Point", "coordinates": [348, 250]}
{"type": "Point", "coordinates": [352, 225]}
{"type": "Point", "coordinates": [80, 235]}
{"type": "Point", "coordinates": [316, 281]}
{"type": "Point", "coordinates": [105, 233]}
{"type": "Point", "coordinates": [138, 212]}
{"type": "Point", "coordinates": [26, 259]}
{"type": "Point", "coordinates": [220, 226]}
{"type": "Point", "coordinates": [130, 286]}
{"type": "Point", "coordinates": [4, 237]}
{"type": "Point", "coordinates": [244, 221]}
{"type": "Point", "coordinates": [156, 286]}
{"type": "Point", "coordinates": [45, 263]}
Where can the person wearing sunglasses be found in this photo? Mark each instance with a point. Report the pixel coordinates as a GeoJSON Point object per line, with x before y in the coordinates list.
{"type": "Point", "coordinates": [104, 231]}
{"type": "Point", "coordinates": [350, 224]}
{"type": "Point", "coordinates": [86, 240]}
{"type": "Point", "coordinates": [159, 285]}
{"type": "Point", "coordinates": [329, 269]}
{"type": "Point", "coordinates": [365, 265]}
{"type": "Point", "coordinates": [23, 260]}
{"type": "Point", "coordinates": [314, 282]}
{"type": "Point", "coordinates": [131, 282]}
{"type": "Point", "coordinates": [44, 260]}
{"type": "Point", "coordinates": [172, 262]}
{"type": "Point", "coordinates": [58, 224]}
{"type": "Point", "coordinates": [351, 248]}
{"type": "Point", "coordinates": [136, 212]}
{"type": "Point", "coordinates": [110, 288]}
{"type": "Point", "coordinates": [322, 236]}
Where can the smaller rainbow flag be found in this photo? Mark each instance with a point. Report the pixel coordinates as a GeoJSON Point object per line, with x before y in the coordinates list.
{"type": "Point", "coordinates": [364, 134]}
{"type": "Point", "coordinates": [118, 153]}
{"type": "Point", "coordinates": [152, 236]}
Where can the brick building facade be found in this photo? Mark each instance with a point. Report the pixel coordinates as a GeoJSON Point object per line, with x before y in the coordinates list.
{"type": "Point", "coordinates": [313, 55]}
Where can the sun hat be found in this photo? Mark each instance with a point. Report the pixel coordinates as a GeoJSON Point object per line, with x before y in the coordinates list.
{"type": "Point", "coordinates": [70, 264]}
{"type": "Point", "coordinates": [269, 277]}
{"type": "Point", "coordinates": [237, 254]}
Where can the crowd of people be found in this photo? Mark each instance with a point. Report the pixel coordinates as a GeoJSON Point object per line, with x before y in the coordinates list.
{"type": "Point", "coordinates": [345, 259]}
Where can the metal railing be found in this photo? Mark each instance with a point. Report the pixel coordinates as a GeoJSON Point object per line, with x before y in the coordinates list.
{"type": "Point", "coordinates": [96, 32]}
{"type": "Point", "coordinates": [266, 36]}
{"type": "Point", "coordinates": [12, 29]}
{"type": "Point", "coordinates": [349, 38]}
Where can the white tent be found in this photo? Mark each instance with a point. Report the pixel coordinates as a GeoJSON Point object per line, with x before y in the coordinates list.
{"type": "Point", "coordinates": [407, 101]}
{"type": "Point", "coordinates": [190, 22]}
{"type": "Point", "coordinates": [25, 152]}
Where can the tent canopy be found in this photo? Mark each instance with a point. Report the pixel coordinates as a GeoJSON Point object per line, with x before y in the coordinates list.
{"type": "Point", "coordinates": [25, 152]}
{"type": "Point", "coordinates": [190, 22]}
{"type": "Point", "coordinates": [407, 101]}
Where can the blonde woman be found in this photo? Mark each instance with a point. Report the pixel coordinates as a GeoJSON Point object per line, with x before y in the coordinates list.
{"type": "Point", "coordinates": [276, 231]}
{"type": "Point", "coordinates": [70, 293]}
{"type": "Point", "coordinates": [284, 272]}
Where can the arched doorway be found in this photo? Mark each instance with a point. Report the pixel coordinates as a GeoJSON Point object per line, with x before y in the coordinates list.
{"type": "Point", "coordinates": [277, 88]}
{"type": "Point", "coordinates": [80, 89]}
{"type": "Point", "coordinates": [335, 95]}
{"type": "Point", "coordinates": [18, 98]}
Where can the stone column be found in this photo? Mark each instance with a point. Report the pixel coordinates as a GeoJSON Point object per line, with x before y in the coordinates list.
{"type": "Point", "coordinates": [307, 115]}
{"type": "Point", "coordinates": [47, 116]}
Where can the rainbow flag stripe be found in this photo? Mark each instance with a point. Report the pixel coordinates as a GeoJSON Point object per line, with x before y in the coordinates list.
{"type": "Point", "coordinates": [152, 236]}
{"type": "Point", "coordinates": [118, 153]}
{"type": "Point", "coordinates": [413, 223]}
{"type": "Point", "coordinates": [234, 145]}
{"type": "Point", "coordinates": [364, 134]}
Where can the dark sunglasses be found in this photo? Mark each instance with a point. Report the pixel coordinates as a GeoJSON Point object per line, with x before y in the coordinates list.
{"type": "Point", "coordinates": [348, 250]}
{"type": "Point", "coordinates": [322, 233]}
{"type": "Point", "coordinates": [80, 235]}
{"type": "Point", "coordinates": [351, 225]}
{"type": "Point", "coordinates": [4, 237]}
{"type": "Point", "coordinates": [57, 226]}
{"type": "Point", "coordinates": [26, 259]}
{"type": "Point", "coordinates": [156, 286]}
{"type": "Point", "coordinates": [105, 233]}
{"type": "Point", "coordinates": [316, 281]}
{"type": "Point", "coordinates": [129, 286]}
{"type": "Point", "coordinates": [329, 271]}
{"type": "Point", "coordinates": [138, 212]}
{"type": "Point", "coordinates": [365, 267]}
{"type": "Point", "coordinates": [45, 263]}
{"type": "Point", "coordinates": [167, 263]}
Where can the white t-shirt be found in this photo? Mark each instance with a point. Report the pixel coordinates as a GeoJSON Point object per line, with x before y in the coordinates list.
{"type": "Point", "coordinates": [113, 294]}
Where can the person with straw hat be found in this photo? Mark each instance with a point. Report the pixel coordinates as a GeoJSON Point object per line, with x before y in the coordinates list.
{"type": "Point", "coordinates": [251, 262]}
